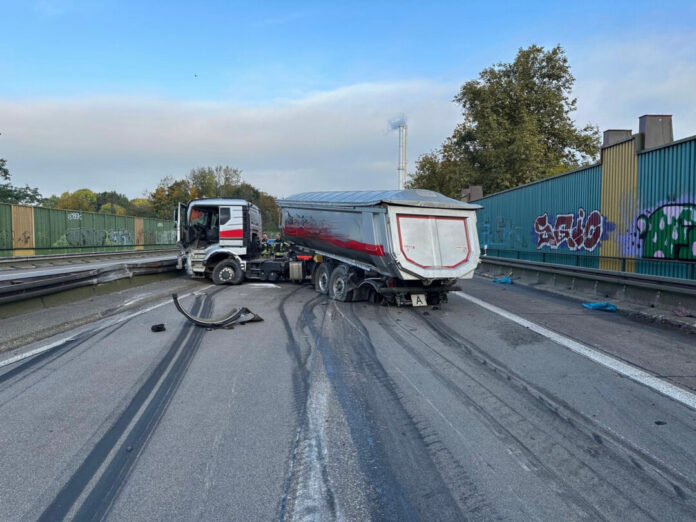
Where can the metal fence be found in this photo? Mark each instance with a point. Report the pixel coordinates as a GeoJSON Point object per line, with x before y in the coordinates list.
{"type": "Point", "coordinates": [39, 231]}
{"type": "Point", "coordinates": [633, 212]}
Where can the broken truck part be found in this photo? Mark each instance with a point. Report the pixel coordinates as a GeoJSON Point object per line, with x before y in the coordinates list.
{"type": "Point", "coordinates": [237, 316]}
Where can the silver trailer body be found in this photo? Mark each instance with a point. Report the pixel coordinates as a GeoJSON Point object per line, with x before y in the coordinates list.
{"type": "Point", "coordinates": [405, 234]}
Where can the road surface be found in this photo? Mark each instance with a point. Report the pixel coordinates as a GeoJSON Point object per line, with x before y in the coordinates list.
{"type": "Point", "coordinates": [349, 411]}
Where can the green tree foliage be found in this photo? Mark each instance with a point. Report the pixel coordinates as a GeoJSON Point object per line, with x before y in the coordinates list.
{"type": "Point", "coordinates": [16, 195]}
{"type": "Point", "coordinates": [113, 208]}
{"type": "Point", "coordinates": [50, 202]}
{"type": "Point", "coordinates": [141, 207]}
{"type": "Point", "coordinates": [82, 199]}
{"type": "Point", "coordinates": [215, 182]}
{"type": "Point", "coordinates": [517, 128]}
{"type": "Point", "coordinates": [114, 198]}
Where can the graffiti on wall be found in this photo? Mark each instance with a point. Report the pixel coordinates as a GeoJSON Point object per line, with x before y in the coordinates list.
{"type": "Point", "coordinates": [575, 231]}
{"type": "Point", "coordinates": [668, 231]}
{"type": "Point", "coordinates": [503, 234]}
{"type": "Point", "coordinates": [87, 237]}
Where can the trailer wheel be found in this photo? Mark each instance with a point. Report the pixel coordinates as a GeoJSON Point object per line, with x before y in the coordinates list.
{"type": "Point", "coordinates": [322, 278]}
{"type": "Point", "coordinates": [338, 284]}
{"type": "Point", "coordinates": [227, 271]}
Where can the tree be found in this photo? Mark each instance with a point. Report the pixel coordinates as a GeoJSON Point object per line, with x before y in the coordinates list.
{"type": "Point", "coordinates": [113, 198]}
{"type": "Point", "coordinates": [16, 195]}
{"type": "Point", "coordinates": [141, 207]}
{"type": "Point", "coordinates": [517, 126]}
{"type": "Point", "coordinates": [444, 171]}
{"type": "Point", "coordinates": [50, 202]}
{"type": "Point", "coordinates": [82, 199]}
{"type": "Point", "coordinates": [224, 182]}
{"type": "Point", "coordinates": [113, 208]}
{"type": "Point", "coordinates": [215, 182]}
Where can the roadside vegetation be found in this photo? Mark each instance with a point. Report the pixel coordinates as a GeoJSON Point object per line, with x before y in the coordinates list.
{"type": "Point", "coordinates": [517, 128]}
{"type": "Point", "coordinates": [202, 182]}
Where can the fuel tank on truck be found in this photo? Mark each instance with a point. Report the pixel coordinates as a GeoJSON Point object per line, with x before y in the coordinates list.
{"type": "Point", "coordinates": [408, 234]}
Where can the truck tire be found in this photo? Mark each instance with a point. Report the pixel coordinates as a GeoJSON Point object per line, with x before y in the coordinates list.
{"type": "Point", "coordinates": [227, 271]}
{"type": "Point", "coordinates": [322, 278]}
{"type": "Point", "coordinates": [339, 283]}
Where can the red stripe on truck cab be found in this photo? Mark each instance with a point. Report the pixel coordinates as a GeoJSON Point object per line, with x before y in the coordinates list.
{"type": "Point", "coordinates": [232, 234]}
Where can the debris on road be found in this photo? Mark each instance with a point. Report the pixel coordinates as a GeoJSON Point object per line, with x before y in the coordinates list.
{"type": "Point", "coordinates": [683, 312]}
{"type": "Point", "coordinates": [507, 280]}
{"type": "Point", "coordinates": [237, 316]}
{"type": "Point", "coordinates": [604, 305]}
{"type": "Point", "coordinates": [158, 327]}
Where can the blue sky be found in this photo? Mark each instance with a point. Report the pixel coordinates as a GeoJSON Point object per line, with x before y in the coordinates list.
{"type": "Point", "coordinates": [297, 94]}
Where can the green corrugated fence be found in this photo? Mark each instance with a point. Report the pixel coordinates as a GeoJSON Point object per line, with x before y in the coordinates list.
{"type": "Point", "coordinates": [5, 230]}
{"type": "Point", "coordinates": [51, 231]}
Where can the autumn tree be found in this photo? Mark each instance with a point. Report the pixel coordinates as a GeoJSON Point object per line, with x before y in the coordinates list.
{"type": "Point", "coordinates": [113, 208]}
{"type": "Point", "coordinates": [112, 199]}
{"type": "Point", "coordinates": [141, 207]}
{"type": "Point", "coordinates": [223, 182]}
{"type": "Point", "coordinates": [82, 199]}
{"type": "Point", "coordinates": [16, 195]}
{"type": "Point", "coordinates": [517, 127]}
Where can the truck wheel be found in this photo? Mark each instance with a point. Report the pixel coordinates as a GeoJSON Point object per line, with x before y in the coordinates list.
{"type": "Point", "coordinates": [227, 271]}
{"type": "Point", "coordinates": [322, 278]}
{"type": "Point", "coordinates": [338, 284]}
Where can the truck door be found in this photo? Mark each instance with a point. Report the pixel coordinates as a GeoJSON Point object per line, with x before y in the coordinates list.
{"type": "Point", "coordinates": [180, 219]}
{"type": "Point", "coordinates": [231, 226]}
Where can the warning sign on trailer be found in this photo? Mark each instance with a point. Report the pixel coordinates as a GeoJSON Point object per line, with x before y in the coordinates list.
{"type": "Point", "coordinates": [418, 300]}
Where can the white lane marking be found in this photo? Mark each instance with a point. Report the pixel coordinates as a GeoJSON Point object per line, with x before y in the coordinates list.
{"type": "Point", "coordinates": [627, 370]}
{"type": "Point", "coordinates": [262, 285]}
{"type": "Point", "coordinates": [45, 348]}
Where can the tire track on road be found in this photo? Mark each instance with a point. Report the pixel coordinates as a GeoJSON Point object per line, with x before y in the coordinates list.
{"type": "Point", "coordinates": [154, 396]}
{"type": "Point", "coordinates": [563, 461]}
{"type": "Point", "coordinates": [663, 475]}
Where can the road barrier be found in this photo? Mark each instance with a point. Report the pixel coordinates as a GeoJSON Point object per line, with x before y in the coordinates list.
{"type": "Point", "coordinates": [27, 287]}
{"type": "Point", "coordinates": [29, 231]}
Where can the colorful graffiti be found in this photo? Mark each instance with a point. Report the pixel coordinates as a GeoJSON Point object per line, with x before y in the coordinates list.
{"type": "Point", "coordinates": [668, 232]}
{"type": "Point", "coordinates": [576, 231]}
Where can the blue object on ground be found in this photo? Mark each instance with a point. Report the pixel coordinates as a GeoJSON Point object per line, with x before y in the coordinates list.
{"type": "Point", "coordinates": [503, 280]}
{"type": "Point", "coordinates": [607, 307]}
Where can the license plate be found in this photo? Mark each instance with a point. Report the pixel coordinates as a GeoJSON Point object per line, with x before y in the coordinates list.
{"type": "Point", "coordinates": [418, 300]}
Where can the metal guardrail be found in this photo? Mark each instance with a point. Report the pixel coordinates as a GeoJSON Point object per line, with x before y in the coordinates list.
{"type": "Point", "coordinates": [38, 286]}
{"type": "Point", "coordinates": [618, 264]}
{"type": "Point", "coordinates": [650, 282]}
{"type": "Point", "coordinates": [87, 255]}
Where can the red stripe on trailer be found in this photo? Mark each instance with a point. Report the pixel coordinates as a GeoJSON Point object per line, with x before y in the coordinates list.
{"type": "Point", "coordinates": [232, 234]}
{"type": "Point", "coordinates": [350, 244]}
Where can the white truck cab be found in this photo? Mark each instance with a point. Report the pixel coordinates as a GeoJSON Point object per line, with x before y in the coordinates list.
{"type": "Point", "coordinates": [216, 236]}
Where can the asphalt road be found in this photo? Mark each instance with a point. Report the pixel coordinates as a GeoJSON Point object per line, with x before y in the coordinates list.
{"type": "Point", "coordinates": [347, 411]}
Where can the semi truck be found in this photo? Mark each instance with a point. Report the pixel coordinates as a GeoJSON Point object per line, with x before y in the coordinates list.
{"type": "Point", "coordinates": [405, 247]}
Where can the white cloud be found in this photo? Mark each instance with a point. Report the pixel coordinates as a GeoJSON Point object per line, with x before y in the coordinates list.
{"type": "Point", "coordinates": [330, 140]}
{"type": "Point", "coordinates": [327, 140]}
{"type": "Point", "coordinates": [618, 81]}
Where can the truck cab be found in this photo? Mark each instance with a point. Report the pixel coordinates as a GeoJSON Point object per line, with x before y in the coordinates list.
{"type": "Point", "coordinates": [216, 236]}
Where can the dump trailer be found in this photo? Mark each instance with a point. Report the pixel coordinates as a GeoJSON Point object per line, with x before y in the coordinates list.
{"type": "Point", "coordinates": [408, 247]}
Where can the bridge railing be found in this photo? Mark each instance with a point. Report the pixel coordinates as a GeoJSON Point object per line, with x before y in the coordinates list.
{"type": "Point", "coordinates": [683, 269]}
